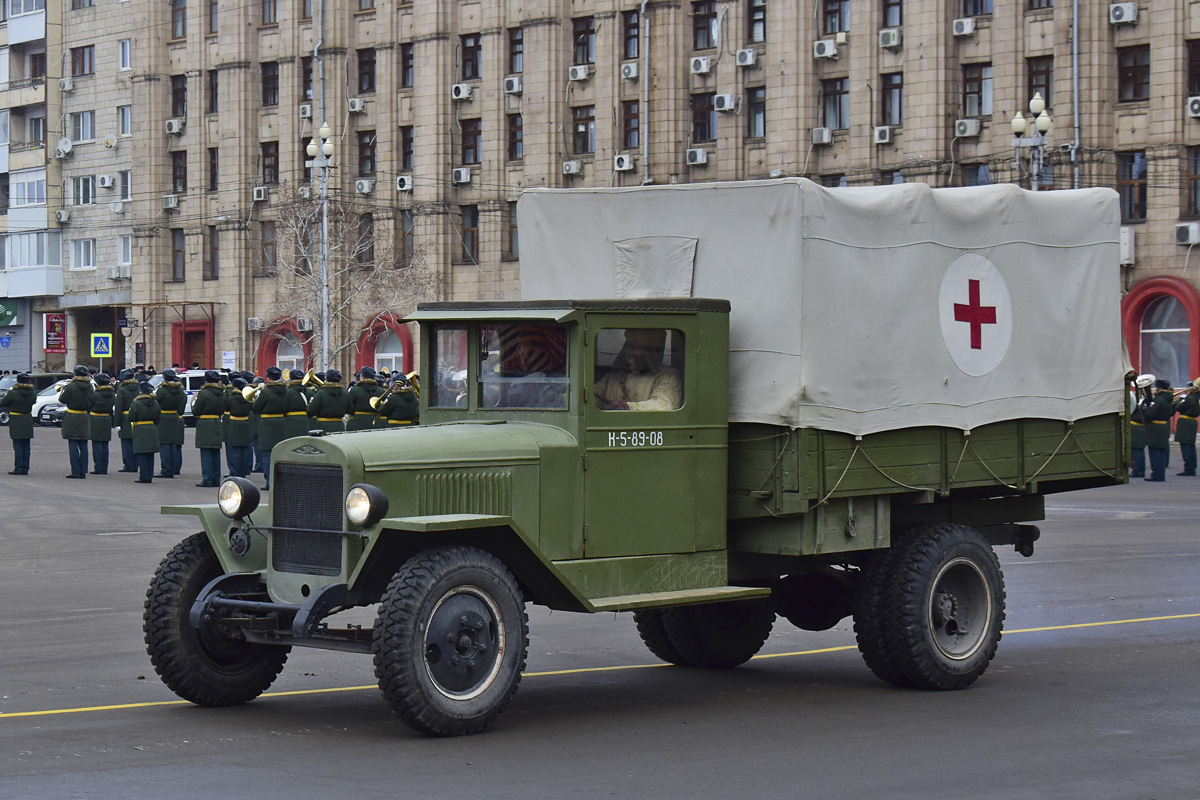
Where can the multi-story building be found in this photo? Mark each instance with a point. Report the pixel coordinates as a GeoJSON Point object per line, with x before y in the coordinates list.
{"type": "Point", "coordinates": [441, 112]}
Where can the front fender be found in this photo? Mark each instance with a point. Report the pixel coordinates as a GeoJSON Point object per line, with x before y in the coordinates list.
{"type": "Point", "coordinates": [219, 527]}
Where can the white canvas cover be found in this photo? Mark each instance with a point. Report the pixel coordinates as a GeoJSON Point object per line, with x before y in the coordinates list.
{"type": "Point", "coordinates": [863, 309]}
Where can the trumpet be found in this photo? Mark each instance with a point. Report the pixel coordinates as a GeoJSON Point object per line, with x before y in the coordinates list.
{"type": "Point", "coordinates": [396, 386]}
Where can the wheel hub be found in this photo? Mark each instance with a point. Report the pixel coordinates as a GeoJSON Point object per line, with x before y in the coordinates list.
{"type": "Point", "coordinates": [960, 609]}
{"type": "Point", "coordinates": [463, 643]}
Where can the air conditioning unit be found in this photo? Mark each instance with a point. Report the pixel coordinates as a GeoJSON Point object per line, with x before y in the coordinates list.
{"type": "Point", "coordinates": [1187, 233]}
{"type": "Point", "coordinates": [66, 85]}
{"type": "Point", "coordinates": [964, 26]}
{"type": "Point", "coordinates": [883, 134]}
{"type": "Point", "coordinates": [512, 85]}
{"type": "Point", "coordinates": [62, 152]}
{"type": "Point", "coordinates": [104, 181]}
{"type": "Point", "coordinates": [114, 273]}
{"type": "Point", "coordinates": [572, 168]}
{"type": "Point", "coordinates": [175, 126]}
{"type": "Point", "coordinates": [964, 128]}
{"type": "Point", "coordinates": [356, 105]}
{"type": "Point", "coordinates": [580, 72]}
{"type": "Point", "coordinates": [304, 191]}
{"type": "Point", "coordinates": [306, 111]}
{"type": "Point", "coordinates": [260, 194]}
{"type": "Point", "coordinates": [404, 183]}
{"type": "Point", "coordinates": [304, 324]}
{"type": "Point", "coordinates": [460, 92]}
{"type": "Point", "coordinates": [889, 38]}
{"type": "Point", "coordinates": [629, 71]}
{"type": "Point", "coordinates": [701, 65]}
{"type": "Point", "coordinates": [1125, 245]}
{"type": "Point", "coordinates": [254, 324]}
{"type": "Point", "coordinates": [697, 157]}
{"type": "Point", "coordinates": [62, 216]}
{"type": "Point", "coordinates": [825, 48]}
{"type": "Point", "coordinates": [725, 102]}
{"type": "Point", "coordinates": [170, 201]}
{"type": "Point", "coordinates": [116, 207]}
{"type": "Point", "coordinates": [124, 270]}
{"type": "Point", "coordinates": [460, 175]}
{"type": "Point", "coordinates": [747, 57]}
{"type": "Point", "coordinates": [1123, 14]}
{"type": "Point", "coordinates": [364, 185]}
{"type": "Point", "coordinates": [822, 135]}
{"type": "Point", "coordinates": [1193, 107]}
{"type": "Point", "coordinates": [622, 163]}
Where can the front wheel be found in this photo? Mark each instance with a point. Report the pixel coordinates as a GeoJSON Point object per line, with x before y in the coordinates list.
{"type": "Point", "coordinates": [450, 641]}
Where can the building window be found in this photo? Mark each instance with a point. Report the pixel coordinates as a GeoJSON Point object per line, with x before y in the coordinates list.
{"type": "Point", "coordinates": [37, 130]}
{"type": "Point", "coordinates": [83, 60]}
{"type": "Point", "coordinates": [472, 57]}
{"type": "Point", "coordinates": [893, 13]}
{"type": "Point", "coordinates": [212, 264]}
{"type": "Point", "coordinates": [704, 118]}
{"type": "Point", "coordinates": [756, 112]}
{"type": "Point", "coordinates": [306, 172]}
{"type": "Point", "coordinates": [178, 19]}
{"type": "Point", "coordinates": [975, 8]}
{"type": "Point", "coordinates": [1193, 68]}
{"type": "Point", "coordinates": [364, 253]}
{"type": "Point", "coordinates": [270, 12]}
{"type": "Point", "coordinates": [306, 10]}
{"type": "Point", "coordinates": [83, 126]}
{"type": "Point", "coordinates": [976, 175]}
{"type": "Point", "coordinates": [213, 19]}
{"type": "Point", "coordinates": [1041, 77]}
{"type": "Point", "coordinates": [630, 125]}
{"type": "Point", "coordinates": [83, 190]}
{"type": "Point", "coordinates": [366, 154]}
{"type": "Point", "coordinates": [28, 188]}
{"type": "Point", "coordinates": [179, 171]}
{"type": "Point", "coordinates": [516, 50]}
{"type": "Point", "coordinates": [891, 177]}
{"type": "Point", "coordinates": [631, 31]}
{"type": "Point", "coordinates": [270, 162]}
{"type": "Point", "coordinates": [124, 121]}
{"type": "Point", "coordinates": [704, 25]}
{"type": "Point", "coordinates": [83, 254]}
{"type": "Point", "coordinates": [1131, 185]}
{"type": "Point", "coordinates": [892, 95]}
{"type": "Point", "coordinates": [583, 35]}
{"type": "Point", "coordinates": [214, 82]}
{"type": "Point", "coordinates": [270, 83]}
{"type": "Point", "coordinates": [512, 244]}
{"type": "Point", "coordinates": [366, 5]}
{"type": "Point", "coordinates": [516, 137]}
{"type": "Point", "coordinates": [583, 127]}
{"type": "Point", "coordinates": [178, 95]}
{"type": "Point", "coordinates": [1133, 73]}
{"type": "Point", "coordinates": [471, 133]}
{"type": "Point", "coordinates": [406, 147]}
{"type": "Point", "coordinates": [1192, 203]}
{"type": "Point", "coordinates": [407, 236]}
{"type": "Point", "coordinates": [470, 233]}
{"type": "Point", "coordinates": [267, 257]}
{"type": "Point", "coordinates": [834, 181]}
{"type": "Point", "coordinates": [977, 90]}
{"type": "Point", "coordinates": [37, 64]}
{"type": "Point", "coordinates": [125, 184]}
{"type": "Point", "coordinates": [1165, 340]}
{"type": "Point", "coordinates": [306, 78]}
{"type": "Point", "coordinates": [78, 4]}
{"type": "Point", "coordinates": [1038, 5]}
{"type": "Point", "coordinates": [125, 248]}
{"type": "Point", "coordinates": [835, 104]}
{"type": "Point", "coordinates": [366, 71]}
{"type": "Point", "coordinates": [406, 66]}
{"type": "Point", "coordinates": [125, 54]}
{"type": "Point", "coordinates": [835, 16]}
{"type": "Point", "coordinates": [213, 170]}
{"type": "Point", "coordinates": [178, 255]}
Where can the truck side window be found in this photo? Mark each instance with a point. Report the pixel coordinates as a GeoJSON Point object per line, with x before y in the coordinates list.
{"type": "Point", "coordinates": [450, 360]}
{"type": "Point", "coordinates": [523, 365]}
{"type": "Point", "coordinates": [639, 369]}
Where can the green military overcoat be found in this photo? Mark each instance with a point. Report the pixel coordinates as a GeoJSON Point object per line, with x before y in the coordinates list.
{"type": "Point", "coordinates": [172, 402]}
{"type": "Point", "coordinates": [77, 397]}
{"type": "Point", "coordinates": [144, 415]}
{"type": "Point", "coordinates": [271, 406]}
{"type": "Point", "coordinates": [100, 415]}
{"type": "Point", "coordinates": [207, 407]}
{"type": "Point", "coordinates": [19, 401]}
{"type": "Point", "coordinates": [328, 406]}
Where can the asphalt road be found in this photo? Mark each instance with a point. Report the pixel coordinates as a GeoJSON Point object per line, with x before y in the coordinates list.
{"type": "Point", "coordinates": [1101, 703]}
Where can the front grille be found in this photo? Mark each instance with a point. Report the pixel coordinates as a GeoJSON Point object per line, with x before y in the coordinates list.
{"type": "Point", "coordinates": [306, 498]}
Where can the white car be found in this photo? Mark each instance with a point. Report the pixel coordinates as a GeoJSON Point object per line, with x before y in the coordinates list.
{"type": "Point", "coordinates": [47, 410]}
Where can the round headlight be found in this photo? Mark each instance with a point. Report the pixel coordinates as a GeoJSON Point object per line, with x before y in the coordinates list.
{"type": "Point", "coordinates": [237, 497]}
{"type": "Point", "coordinates": [365, 504]}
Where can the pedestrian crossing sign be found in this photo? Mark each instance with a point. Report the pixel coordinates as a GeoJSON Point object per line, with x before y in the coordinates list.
{"type": "Point", "coordinates": [101, 345]}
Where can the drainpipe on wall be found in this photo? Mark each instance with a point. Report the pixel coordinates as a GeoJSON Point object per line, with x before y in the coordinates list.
{"type": "Point", "coordinates": [644, 116]}
{"type": "Point", "coordinates": [1075, 86]}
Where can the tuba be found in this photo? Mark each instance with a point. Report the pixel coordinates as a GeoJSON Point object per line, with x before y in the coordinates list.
{"type": "Point", "coordinates": [251, 392]}
{"type": "Point", "coordinates": [1144, 382]}
{"type": "Point", "coordinates": [311, 377]}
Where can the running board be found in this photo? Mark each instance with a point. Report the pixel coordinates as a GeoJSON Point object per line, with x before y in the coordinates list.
{"type": "Point", "coordinates": [685, 597]}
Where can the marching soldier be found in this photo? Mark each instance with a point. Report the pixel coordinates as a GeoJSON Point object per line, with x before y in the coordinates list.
{"type": "Point", "coordinates": [238, 432]}
{"type": "Point", "coordinates": [77, 397]}
{"type": "Point", "coordinates": [296, 421]}
{"type": "Point", "coordinates": [330, 404]}
{"type": "Point", "coordinates": [1188, 408]}
{"type": "Point", "coordinates": [144, 415]}
{"type": "Point", "coordinates": [401, 406]}
{"type": "Point", "coordinates": [1158, 429]}
{"type": "Point", "coordinates": [1137, 429]}
{"type": "Point", "coordinates": [207, 407]}
{"type": "Point", "coordinates": [127, 392]}
{"type": "Point", "coordinates": [172, 402]}
{"type": "Point", "coordinates": [365, 417]}
{"type": "Point", "coordinates": [271, 407]}
{"type": "Point", "coordinates": [19, 401]}
{"type": "Point", "coordinates": [256, 452]}
{"type": "Point", "coordinates": [100, 422]}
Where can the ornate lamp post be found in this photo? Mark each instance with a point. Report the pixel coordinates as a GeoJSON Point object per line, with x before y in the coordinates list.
{"type": "Point", "coordinates": [321, 158]}
{"type": "Point", "coordinates": [1036, 143]}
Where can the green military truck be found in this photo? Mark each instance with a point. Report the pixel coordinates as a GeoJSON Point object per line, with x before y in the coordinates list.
{"type": "Point", "coordinates": [760, 400]}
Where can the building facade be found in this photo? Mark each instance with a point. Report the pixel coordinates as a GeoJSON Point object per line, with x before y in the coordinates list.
{"type": "Point", "coordinates": [188, 198]}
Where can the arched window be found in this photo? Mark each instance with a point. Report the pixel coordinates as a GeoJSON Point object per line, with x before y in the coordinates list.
{"type": "Point", "coordinates": [1165, 340]}
{"type": "Point", "coordinates": [389, 352]}
{"type": "Point", "coordinates": [289, 354]}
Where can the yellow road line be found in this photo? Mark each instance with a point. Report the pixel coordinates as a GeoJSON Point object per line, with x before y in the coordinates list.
{"type": "Point", "coordinates": [581, 670]}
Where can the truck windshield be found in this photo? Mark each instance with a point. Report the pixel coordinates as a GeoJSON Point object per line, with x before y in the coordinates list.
{"type": "Point", "coordinates": [523, 365]}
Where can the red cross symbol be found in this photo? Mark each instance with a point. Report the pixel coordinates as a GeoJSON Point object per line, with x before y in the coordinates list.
{"type": "Point", "coordinates": [975, 314]}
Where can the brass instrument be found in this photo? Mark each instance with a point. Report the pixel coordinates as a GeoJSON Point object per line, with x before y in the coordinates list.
{"type": "Point", "coordinates": [251, 392]}
{"type": "Point", "coordinates": [1144, 382]}
{"type": "Point", "coordinates": [395, 386]}
{"type": "Point", "coordinates": [311, 377]}
{"type": "Point", "coordinates": [415, 380]}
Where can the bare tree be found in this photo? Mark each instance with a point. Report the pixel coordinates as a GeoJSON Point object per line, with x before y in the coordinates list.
{"type": "Point", "coordinates": [374, 266]}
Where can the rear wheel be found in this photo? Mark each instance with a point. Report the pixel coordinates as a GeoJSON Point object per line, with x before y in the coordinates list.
{"type": "Point", "coordinates": [652, 627]}
{"type": "Point", "coordinates": [719, 635]}
{"type": "Point", "coordinates": [870, 625]}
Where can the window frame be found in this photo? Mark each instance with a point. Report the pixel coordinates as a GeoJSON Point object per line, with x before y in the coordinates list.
{"type": "Point", "coordinates": [756, 21]}
{"type": "Point", "coordinates": [583, 40]}
{"type": "Point", "coordinates": [470, 233]}
{"type": "Point", "coordinates": [472, 56]}
{"type": "Point", "coordinates": [367, 64]}
{"type": "Point", "coordinates": [516, 137]}
{"type": "Point", "coordinates": [756, 112]}
{"type": "Point", "coordinates": [83, 255]}
{"type": "Point", "coordinates": [1039, 72]}
{"type": "Point", "coordinates": [270, 83]}
{"type": "Point", "coordinates": [835, 17]}
{"type": "Point", "coordinates": [891, 98]}
{"type": "Point", "coordinates": [703, 118]}
{"type": "Point", "coordinates": [472, 141]}
{"type": "Point", "coordinates": [83, 61]}
{"type": "Point", "coordinates": [179, 171]}
{"type": "Point", "coordinates": [978, 99]}
{"type": "Point", "coordinates": [583, 130]}
{"type": "Point", "coordinates": [631, 35]}
{"type": "Point", "coordinates": [835, 103]}
{"type": "Point", "coordinates": [631, 124]}
{"type": "Point", "coordinates": [367, 153]}
{"type": "Point", "coordinates": [407, 66]}
{"type": "Point", "coordinates": [407, 154]}
{"type": "Point", "coordinates": [1132, 189]}
{"type": "Point", "coordinates": [704, 25]}
{"type": "Point", "coordinates": [270, 13]}
{"type": "Point", "coordinates": [516, 50]}
{"type": "Point", "coordinates": [1133, 74]}
{"type": "Point", "coordinates": [270, 162]}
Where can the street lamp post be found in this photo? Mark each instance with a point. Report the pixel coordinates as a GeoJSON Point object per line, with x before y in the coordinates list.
{"type": "Point", "coordinates": [1036, 143]}
{"type": "Point", "coordinates": [320, 156]}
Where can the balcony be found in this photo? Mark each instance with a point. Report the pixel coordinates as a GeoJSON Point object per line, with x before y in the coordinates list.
{"type": "Point", "coordinates": [26, 155]}
{"type": "Point", "coordinates": [35, 281]}
{"type": "Point", "coordinates": [23, 92]}
{"type": "Point", "coordinates": [27, 27]}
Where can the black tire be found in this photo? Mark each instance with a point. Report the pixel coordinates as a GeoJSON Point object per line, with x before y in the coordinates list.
{"type": "Point", "coordinates": [719, 635]}
{"type": "Point", "coordinates": [461, 600]}
{"type": "Point", "coordinates": [945, 607]}
{"type": "Point", "coordinates": [3, 416]}
{"type": "Point", "coordinates": [870, 623]}
{"type": "Point", "coordinates": [652, 628]}
{"type": "Point", "coordinates": [205, 666]}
